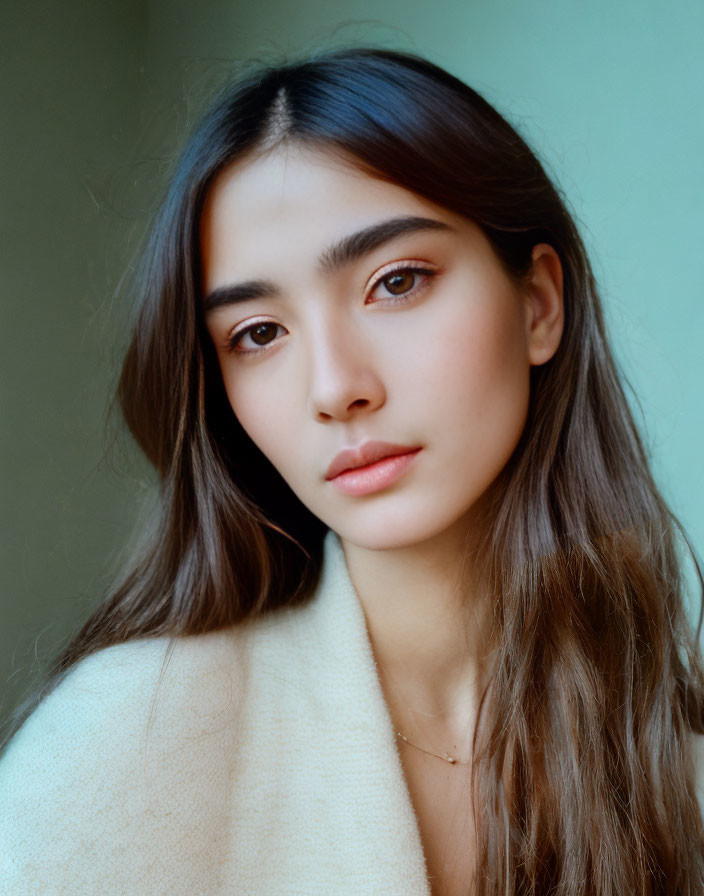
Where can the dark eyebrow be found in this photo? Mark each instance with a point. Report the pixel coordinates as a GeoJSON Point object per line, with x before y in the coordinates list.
{"type": "Point", "coordinates": [348, 249]}
{"type": "Point", "coordinates": [356, 245]}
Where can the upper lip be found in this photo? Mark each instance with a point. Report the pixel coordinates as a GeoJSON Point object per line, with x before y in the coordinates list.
{"type": "Point", "coordinates": [366, 453]}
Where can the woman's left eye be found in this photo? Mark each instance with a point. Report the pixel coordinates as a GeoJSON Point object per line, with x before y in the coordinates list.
{"type": "Point", "coordinates": [402, 282]}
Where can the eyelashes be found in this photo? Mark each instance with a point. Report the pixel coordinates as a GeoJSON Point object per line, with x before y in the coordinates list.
{"type": "Point", "coordinates": [235, 341]}
{"type": "Point", "coordinates": [260, 329]}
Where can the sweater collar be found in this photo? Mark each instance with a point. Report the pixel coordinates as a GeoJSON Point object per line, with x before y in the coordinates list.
{"type": "Point", "coordinates": [362, 726]}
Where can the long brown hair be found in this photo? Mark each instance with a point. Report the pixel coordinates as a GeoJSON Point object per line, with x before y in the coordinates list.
{"type": "Point", "coordinates": [583, 773]}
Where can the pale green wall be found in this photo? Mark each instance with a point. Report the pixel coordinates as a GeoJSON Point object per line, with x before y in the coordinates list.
{"type": "Point", "coordinates": [69, 95]}
{"type": "Point", "coordinates": [611, 95]}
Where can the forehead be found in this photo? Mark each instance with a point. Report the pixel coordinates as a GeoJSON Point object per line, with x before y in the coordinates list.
{"type": "Point", "coordinates": [297, 172]}
{"type": "Point", "coordinates": [299, 193]}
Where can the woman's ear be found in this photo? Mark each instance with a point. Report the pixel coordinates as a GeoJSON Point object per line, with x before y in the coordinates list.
{"type": "Point", "coordinates": [545, 310]}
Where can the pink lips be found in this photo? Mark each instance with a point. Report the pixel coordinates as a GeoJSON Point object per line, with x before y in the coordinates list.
{"type": "Point", "coordinates": [370, 467]}
{"type": "Point", "coordinates": [365, 454]}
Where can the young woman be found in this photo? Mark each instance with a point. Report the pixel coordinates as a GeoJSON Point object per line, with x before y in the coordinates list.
{"type": "Point", "coordinates": [412, 618]}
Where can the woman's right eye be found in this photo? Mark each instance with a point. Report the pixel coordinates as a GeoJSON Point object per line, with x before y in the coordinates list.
{"type": "Point", "coordinates": [260, 336]}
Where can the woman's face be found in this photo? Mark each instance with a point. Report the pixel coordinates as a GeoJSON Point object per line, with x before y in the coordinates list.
{"type": "Point", "coordinates": [411, 335]}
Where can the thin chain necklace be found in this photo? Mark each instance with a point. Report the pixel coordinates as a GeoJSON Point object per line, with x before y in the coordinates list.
{"type": "Point", "coordinates": [447, 757]}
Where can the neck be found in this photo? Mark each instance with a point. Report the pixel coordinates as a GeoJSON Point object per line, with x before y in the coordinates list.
{"type": "Point", "coordinates": [428, 628]}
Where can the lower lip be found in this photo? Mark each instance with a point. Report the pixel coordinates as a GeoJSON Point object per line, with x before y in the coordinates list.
{"type": "Point", "coordinates": [376, 476]}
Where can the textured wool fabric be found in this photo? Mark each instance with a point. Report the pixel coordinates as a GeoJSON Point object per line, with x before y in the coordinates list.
{"type": "Point", "coordinates": [263, 762]}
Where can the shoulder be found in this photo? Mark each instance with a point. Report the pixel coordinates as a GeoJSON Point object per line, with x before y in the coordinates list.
{"type": "Point", "coordinates": [109, 695]}
{"type": "Point", "coordinates": [130, 748]}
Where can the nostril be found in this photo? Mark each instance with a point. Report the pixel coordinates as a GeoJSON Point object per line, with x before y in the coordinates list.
{"type": "Point", "coordinates": [339, 398]}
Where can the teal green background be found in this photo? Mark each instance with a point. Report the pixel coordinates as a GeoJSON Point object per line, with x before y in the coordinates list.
{"type": "Point", "coordinates": [96, 98]}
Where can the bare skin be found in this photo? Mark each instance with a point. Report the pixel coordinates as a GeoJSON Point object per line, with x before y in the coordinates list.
{"type": "Point", "coordinates": [435, 723]}
{"type": "Point", "coordinates": [438, 358]}
{"type": "Point", "coordinates": [440, 791]}
{"type": "Point", "coordinates": [441, 797]}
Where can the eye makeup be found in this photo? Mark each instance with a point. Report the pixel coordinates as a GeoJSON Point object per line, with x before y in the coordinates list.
{"type": "Point", "coordinates": [398, 270]}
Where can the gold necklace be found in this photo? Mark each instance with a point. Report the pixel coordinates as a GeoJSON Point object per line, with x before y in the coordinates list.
{"type": "Point", "coordinates": [446, 758]}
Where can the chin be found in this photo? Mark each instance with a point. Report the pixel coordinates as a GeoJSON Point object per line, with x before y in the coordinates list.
{"type": "Point", "coordinates": [395, 531]}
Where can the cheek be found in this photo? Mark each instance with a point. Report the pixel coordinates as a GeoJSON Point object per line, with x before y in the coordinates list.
{"type": "Point", "coordinates": [483, 386]}
{"type": "Point", "coordinates": [498, 364]}
{"type": "Point", "coordinates": [265, 414]}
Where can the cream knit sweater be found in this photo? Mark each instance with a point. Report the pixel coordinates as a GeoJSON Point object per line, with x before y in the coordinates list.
{"type": "Point", "coordinates": [263, 763]}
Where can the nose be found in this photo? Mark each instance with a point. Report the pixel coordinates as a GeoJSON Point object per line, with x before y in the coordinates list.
{"type": "Point", "coordinates": [343, 378]}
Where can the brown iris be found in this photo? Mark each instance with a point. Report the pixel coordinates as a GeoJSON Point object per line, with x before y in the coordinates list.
{"type": "Point", "coordinates": [259, 333]}
{"type": "Point", "coordinates": [403, 278]}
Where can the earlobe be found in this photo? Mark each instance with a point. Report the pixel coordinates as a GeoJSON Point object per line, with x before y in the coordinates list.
{"type": "Point", "coordinates": [545, 313]}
